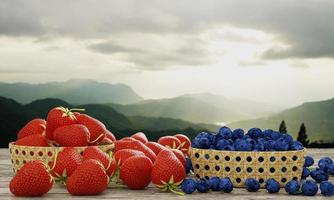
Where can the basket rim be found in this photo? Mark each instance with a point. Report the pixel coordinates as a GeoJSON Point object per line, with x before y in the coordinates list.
{"type": "Point", "coordinates": [12, 144]}
{"type": "Point", "coordinates": [251, 152]}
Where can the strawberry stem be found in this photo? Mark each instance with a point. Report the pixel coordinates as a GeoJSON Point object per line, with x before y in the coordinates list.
{"type": "Point", "coordinates": [77, 109]}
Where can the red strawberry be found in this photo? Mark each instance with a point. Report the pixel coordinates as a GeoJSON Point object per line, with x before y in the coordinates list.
{"type": "Point", "coordinates": [185, 143]}
{"type": "Point", "coordinates": [96, 128]}
{"type": "Point", "coordinates": [93, 152]}
{"type": "Point", "coordinates": [136, 172]}
{"type": "Point", "coordinates": [36, 140]}
{"type": "Point", "coordinates": [128, 139]}
{"type": "Point", "coordinates": [167, 172]}
{"type": "Point", "coordinates": [136, 145]}
{"type": "Point", "coordinates": [58, 117]}
{"type": "Point", "coordinates": [123, 154]}
{"type": "Point", "coordinates": [105, 141]}
{"type": "Point", "coordinates": [155, 147]}
{"type": "Point", "coordinates": [121, 144]}
{"type": "Point", "coordinates": [89, 178]}
{"type": "Point", "coordinates": [65, 163]}
{"type": "Point", "coordinates": [170, 142]}
{"type": "Point", "coordinates": [140, 136]}
{"type": "Point", "coordinates": [110, 135]}
{"type": "Point", "coordinates": [180, 156]}
{"type": "Point", "coordinates": [33, 179]}
{"type": "Point", "coordinates": [74, 135]}
{"type": "Point", "coordinates": [35, 126]}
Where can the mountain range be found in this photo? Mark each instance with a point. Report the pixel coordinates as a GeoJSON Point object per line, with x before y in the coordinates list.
{"type": "Point", "coordinates": [318, 117]}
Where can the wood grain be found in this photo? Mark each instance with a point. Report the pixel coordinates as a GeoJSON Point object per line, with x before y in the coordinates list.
{"type": "Point", "coordinates": [121, 192]}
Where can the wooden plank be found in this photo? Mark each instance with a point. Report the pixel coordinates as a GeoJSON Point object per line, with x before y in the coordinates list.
{"type": "Point", "coordinates": [121, 192]}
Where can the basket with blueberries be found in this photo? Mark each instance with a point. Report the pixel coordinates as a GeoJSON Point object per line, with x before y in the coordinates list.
{"type": "Point", "coordinates": [259, 155]}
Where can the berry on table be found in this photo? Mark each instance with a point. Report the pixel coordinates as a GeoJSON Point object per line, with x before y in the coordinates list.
{"type": "Point", "coordinates": [202, 186]}
{"type": "Point", "coordinates": [309, 161]}
{"type": "Point", "coordinates": [309, 188]}
{"type": "Point", "coordinates": [292, 187]}
{"type": "Point", "coordinates": [252, 185]}
{"type": "Point", "coordinates": [272, 186]}
{"type": "Point", "coordinates": [226, 185]}
{"type": "Point", "coordinates": [327, 188]}
{"type": "Point", "coordinates": [188, 186]}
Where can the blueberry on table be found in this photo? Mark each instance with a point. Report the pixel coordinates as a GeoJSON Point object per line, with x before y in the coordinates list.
{"type": "Point", "coordinates": [309, 188]}
{"type": "Point", "coordinates": [292, 187]}
{"type": "Point", "coordinates": [189, 166]}
{"type": "Point", "coordinates": [309, 161]}
{"type": "Point", "coordinates": [202, 186]}
{"type": "Point", "coordinates": [330, 169]}
{"type": "Point", "coordinates": [324, 163]}
{"type": "Point", "coordinates": [214, 183]}
{"type": "Point", "coordinates": [319, 175]}
{"type": "Point", "coordinates": [188, 186]}
{"type": "Point", "coordinates": [252, 185]}
{"type": "Point", "coordinates": [272, 186]}
{"type": "Point", "coordinates": [226, 185]}
{"type": "Point", "coordinates": [306, 173]}
{"type": "Point", "coordinates": [327, 188]}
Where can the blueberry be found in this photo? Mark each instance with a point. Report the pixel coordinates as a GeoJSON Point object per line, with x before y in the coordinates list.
{"type": "Point", "coordinates": [327, 188]}
{"type": "Point", "coordinates": [309, 188]}
{"type": "Point", "coordinates": [252, 185]}
{"type": "Point", "coordinates": [226, 185]}
{"type": "Point", "coordinates": [309, 161]}
{"type": "Point", "coordinates": [214, 183]}
{"type": "Point", "coordinates": [292, 187]}
{"type": "Point", "coordinates": [272, 186]}
{"type": "Point", "coordinates": [324, 162]}
{"type": "Point", "coordinates": [296, 145]}
{"type": "Point", "coordinates": [287, 138]}
{"type": "Point", "coordinates": [229, 148]}
{"type": "Point", "coordinates": [260, 146]}
{"type": "Point", "coordinates": [319, 175]}
{"type": "Point", "coordinates": [271, 135]}
{"type": "Point", "coordinates": [225, 132]}
{"type": "Point", "coordinates": [330, 169]}
{"type": "Point", "coordinates": [255, 133]}
{"type": "Point", "coordinates": [221, 144]}
{"type": "Point", "coordinates": [188, 186]}
{"type": "Point", "coordinates": [237, 133]}
{"type": "Point", "coordinates": [189, 166]}
{"type": "Point", "coordinates": [306, 173]}
{"type": "Point", "coordinates": [202, 143]}
{"type": "Point", "coordinates": [202, 186]}
{"type": "Point", "coordinates": [242, 145]}
{"type": "Point", "coordinates": [281, 145]}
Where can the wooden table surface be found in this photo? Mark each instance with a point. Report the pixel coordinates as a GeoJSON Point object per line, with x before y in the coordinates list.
{"type": "Point", "coordinates": [120, 192]}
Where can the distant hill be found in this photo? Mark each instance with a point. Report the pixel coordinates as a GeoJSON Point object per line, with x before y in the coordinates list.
{"type": "Point", "coordinates": [198, 108]}
{"type": "Point", "coordinates": [13, 116]}
{"type": "Point", "coordinates": [317, 116]}
{"type": "Point", "coordinates": [75, 91]}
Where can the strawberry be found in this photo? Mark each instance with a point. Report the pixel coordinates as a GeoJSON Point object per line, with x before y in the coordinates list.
{"type": "Point", "coordinates": [36, 140]}
{"type": "Point", "coordinates": [58, 117]}
{"type": "Point", "coordinates": [121, 144]}
{"type": "Point", "coordinates": [185, 143]}
{"type": "Point", "coordinates": [65, 164]}
{"type": "Point", "coordinates": [136, 145]}
{"type": "Point", "coordinates": [110, 135]}
{"type": "Point", "coordinates": [93, 152]}
{"type": "Point", "coordinates": [140, 136]}
{"type": "Point", "coordinates": [167, 171]}
{"type": "Point", "coordinates": [155, 147]}
{"type": "Point", "coordinates": [170, 142]}
{"type": "Point", "coordinates": [123, 154]}
{"type": "Point", "coordinates": [33, 179]}
{"type": "Point", "coordinates": [89, 178]}
{"type": "Point", "coordinates": [136, 172]}
{"type": "Point", "coordinates": [74, 135]}
{"type": "Point", "coordinates": [180, 156]}
{"type": "Point", "coordinates": [96, 128]}
{"type": "Point", "coordinates": [128, 139]}
{"type": "Point", "coordinates": [105, 141]}
{"type": "Point", "coordinates": [35, 126]}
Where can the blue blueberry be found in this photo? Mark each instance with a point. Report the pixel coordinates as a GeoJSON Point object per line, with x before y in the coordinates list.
{"type": "Point", "coordinates": [330, 169]}
{"type": "Point", "coordinates": [225, 132]}
{"type": "Point", "coordinates": [252, 185]}
{"type": "Point", "coordinates": [309, 188]}
{"type": "Point", "coordinates": [324, 162]}
{"type": "Point", "coordinates": [222, 143]}
{"type": "Point", "coordinates": [309, 161]}
{"type": "Point", "coordinates": [214, 183]}
{"type": "Point", "coordinates": [292, 187]}
{"type": "Point", "coordinates": [242, 145]}
{"type": "Point", "coordinates": [201, 141]}
{"type": "Point", "coordinates": [189, 165]}
{"type": "Point", "coordinates": [271, 135]}
{"type": "Point", "coordinates": [272, 186]}
{"type": "Point", "coordinates": [202, 186]}
{"type": "Point", "coordinates": [255, 133]}
{"type": "Point", "coordinates": [319, 175]}
{"type": "Point", "coordinates": [188, 186]}
{"type": "Point", "coordinates": [288, 138]}
{"type": "Point", "coordinates": [281, 145]}
{"type": "Point", "coordinates": [296, 145]}
{"type": "Point", "coordinates": [260, 145]}
{"type": "Point", "coordinates": [306, 173]}
{"type": "Point", "coordinates": [327, 188]}
{"type": "Point", "coordinates": [226, 185]}
{"type": "Point", "coordinates": [238, 133]}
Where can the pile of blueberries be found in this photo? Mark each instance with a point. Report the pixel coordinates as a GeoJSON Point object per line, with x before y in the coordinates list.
{"type": "Point", "coordinates": [254, 140]}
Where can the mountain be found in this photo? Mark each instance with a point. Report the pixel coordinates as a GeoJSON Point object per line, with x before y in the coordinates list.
{"type": "Point", "coordinates": [75, 91]}
{"type": "Point", "coordinates": [14, 116]}
{"type": "Point", "coordinates": [318, 117]}
{"type": "Point", "coordinates": [198, 108]}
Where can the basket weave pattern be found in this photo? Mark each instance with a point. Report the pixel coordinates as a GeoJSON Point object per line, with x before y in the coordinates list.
{"type": "Point", "coordinates": [22, 154]}
{"type": "Point", "coordinates": [283, 166]}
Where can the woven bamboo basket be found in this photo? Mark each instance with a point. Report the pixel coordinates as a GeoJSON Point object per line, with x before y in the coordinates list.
{"type": "Point", "coordinates": [282, 166]}
{"type": "Point", "coordinates": [22, 154]}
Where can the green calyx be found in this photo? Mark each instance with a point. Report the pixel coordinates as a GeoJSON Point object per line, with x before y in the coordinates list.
{"type": "Point", "coordinates": [171, 186]}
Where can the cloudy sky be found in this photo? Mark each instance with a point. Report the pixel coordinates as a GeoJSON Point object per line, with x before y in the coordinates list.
{"type": "Point", "coordinates": [279, 52]}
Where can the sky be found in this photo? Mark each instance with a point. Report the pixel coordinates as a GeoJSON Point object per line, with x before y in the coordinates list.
{"type": "Point", "coordinates": [277, 52]}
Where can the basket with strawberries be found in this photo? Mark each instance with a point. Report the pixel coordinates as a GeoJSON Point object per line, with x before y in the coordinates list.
{"type": "Point", "coordinates": [43, 139]}
{"type": "Point", "coordinates": [261, 155]}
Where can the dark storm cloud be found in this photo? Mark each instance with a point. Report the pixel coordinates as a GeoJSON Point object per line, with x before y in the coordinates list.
{"type": "Point", "coordinates": [304, 25]}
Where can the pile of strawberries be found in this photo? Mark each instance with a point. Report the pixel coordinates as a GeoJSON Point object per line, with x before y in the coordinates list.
{"type": "Point", "coordinates": [63, 127]}
{"type": "Point", "coordinates": [136, 161]}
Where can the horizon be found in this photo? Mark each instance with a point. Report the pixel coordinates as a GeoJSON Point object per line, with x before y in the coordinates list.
{"type": "Point", "coordinates": [226, 48]}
